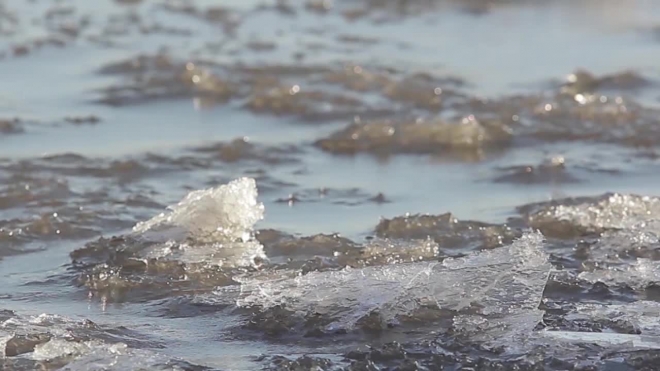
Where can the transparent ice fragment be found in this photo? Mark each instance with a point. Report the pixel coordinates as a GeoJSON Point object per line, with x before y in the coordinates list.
{"type": "Point", "coordinates": [501, 282]}
{"type": "Point", "coordinates": [512, 330]}
{"type": "Point", "coordinates": [56, 348]}
{"type": "Point", "coordinates": [614, 246]}
{"type": "Point", "coordinates": [55, 340]}
{"type": "Point", "coordinates": [616, 211]}
{"type": "Point", "coordinates": [643, 316]}
{"type": "Point", "coordinates": [626, 256]}
{"type": "Point", "coordinates": [241, 254]}
{"type": "Point", "coordinates": [605, 339]}
{"type": "Point", "coordinates": [637, 275]}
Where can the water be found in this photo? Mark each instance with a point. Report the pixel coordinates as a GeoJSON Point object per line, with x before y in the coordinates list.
{"type": "Point", "coordinates": [355, 119]}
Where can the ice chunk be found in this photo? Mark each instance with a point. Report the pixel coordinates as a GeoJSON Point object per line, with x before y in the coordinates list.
{"type": "Point", "coordinates": [240, 254]}
{"type": "Point", "coordinates": [605, 339]}
{"type": "Point", "coordinates": [48, 340]}
{"type": "Point", "coordinates": [119, 357]}
{"type": "Point", "coordinates": [436, 136]}
{"type": "Point", "coordinates": [614, 211]}
{"type": "Point", "coordinates": [626, 256]}
{"type": "Point", "coordinates": [224, 213]}
{"type": "Point", "coordinates": [615, 247]}
{"type": "Point", "coordinates": [640, 319]}
{"type": "Point", "coordinates": [56, 348]}
{"type": "Point", "coordinates": [512, 330]}
{"type": "Point", "coordinates": [643, 316]}
{"type": "Point", "coordinates": [637, 275]}
{"type": "Point", "coordinates": [501, 282]}
{"type": "Point", "coordinates": [212, 226]}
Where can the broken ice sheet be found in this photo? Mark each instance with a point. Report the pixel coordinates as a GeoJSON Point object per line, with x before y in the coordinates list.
{"type": "Point", "coordinates": [639, 241]}
{"type": "Point", "coordinates": [502, 283]}
{"type": "Point", "coordinates": [627, 256]}
{"type": "Point", "coordinates": [639, 320]}
{"type": "Point", "coordinates": [568, 217]}
{"type": "Point", "coordinates": [512, 330]}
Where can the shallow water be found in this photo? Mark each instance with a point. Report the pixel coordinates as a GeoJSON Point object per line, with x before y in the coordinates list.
{"type": "Point", "coordinates": [394, 145]}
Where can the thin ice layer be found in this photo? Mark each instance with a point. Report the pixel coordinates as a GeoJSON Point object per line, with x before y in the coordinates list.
{"type": "Point", "coordinates": [639, 320]}
{"type": "Point", "coordinates": [47, 340]}
{"type": "Point", "coordinates": [626, 256]}
{"type": "Point", "coordinates": [604, 339]}
{"type": "Point", "coordinates": [639, 274]}
{"type": "Point", "coordinates": [118, 357]}
{"type": "Point", "coordinates": [640, 240]}
{"type": "Point", "coordinates": [227, 212]}
{"type": "Point", "coordinates": [640, 316]}
{"type": "Point", "coordinates": [512, 330]}
{"type": "Point", "coordinates": [614, 211]}
{"type": "Point", "coordinates": [501, 282]}
{"type": "Point", "coordinates": [222, 254]}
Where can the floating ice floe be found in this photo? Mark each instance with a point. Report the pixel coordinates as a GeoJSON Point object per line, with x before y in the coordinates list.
{"type": "Point", "coordinates": [626, 256]}
{"type": "Point", "coordinates": [642, 317]}
{"type": "Point", "coordinates": [49, 341]}
{"type": "Point", "coordinates": [612, 211]}
{"type": "Point", "coordinates": [500, 287]}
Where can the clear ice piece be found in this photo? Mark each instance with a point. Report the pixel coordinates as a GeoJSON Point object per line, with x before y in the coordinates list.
{"type": "Point", "coordinates": [506, 281]}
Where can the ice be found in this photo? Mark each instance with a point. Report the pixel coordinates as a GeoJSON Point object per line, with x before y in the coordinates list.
{"type": "Point", "coordinates": [118, 357]}
{"type": "Point", "coordinates": [48, 340]}
{"type": "Point", "coordinates": [615, 246]}
{"type": "Point", "coordinates": [615, 211]}
{"type": "Point", "coordinates": [626, 256]}
{"type": "Point", "coordinates": [502, 282]}
{"type": "Point", "coordinates": [637, 275]}
{"type": "Point", "coordinates": [641, 317]}
{"type": "Point", "coordinates": [224, 213]}
{"type": "Point", "coordinates": [605, 339]}
{"type": "Point", "coordinates": [213, 226]}
{"type": "Point", "coordinates": [513, 330]}
{"type": "Point", "coordinates": [416, 137]}
{"type": "Point", "coordinates": [56, 348]}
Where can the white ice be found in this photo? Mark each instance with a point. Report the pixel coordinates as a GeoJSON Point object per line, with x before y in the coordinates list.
{"type": "Point", "coordinates": [616, 211]}
{"type": "Point", "coordinates": [506, 282]}
{"type": "Point", "coordinates": [643, 315]}
{"type": "Point", "coordinates": [224, 213]}
{"type": "Point", "coordinates": [613, 269]}
{"type": "Point", "coordinates": [213, 226]}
